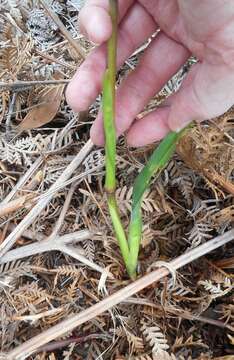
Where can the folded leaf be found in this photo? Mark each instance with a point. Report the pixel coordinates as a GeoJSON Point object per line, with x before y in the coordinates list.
{"type": "Point", "coordinates": [44, 113]}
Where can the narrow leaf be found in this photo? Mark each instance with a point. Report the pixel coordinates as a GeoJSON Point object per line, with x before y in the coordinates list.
{"type": "Point", "coordinates": [156, 163]}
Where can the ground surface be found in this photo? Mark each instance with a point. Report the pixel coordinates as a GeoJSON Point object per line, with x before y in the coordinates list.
{"type": "Point", "coordinates": [191, 202]}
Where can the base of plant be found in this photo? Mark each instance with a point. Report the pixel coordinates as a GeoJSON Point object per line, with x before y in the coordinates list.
{"type": "Point", "coordinates": [129, 245]}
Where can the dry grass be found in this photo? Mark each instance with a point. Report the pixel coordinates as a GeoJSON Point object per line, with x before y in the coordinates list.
{"type": "Point", "coordinates": [191, 202]}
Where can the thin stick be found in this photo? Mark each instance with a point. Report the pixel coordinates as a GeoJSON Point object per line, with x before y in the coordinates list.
{"type": "Point", "coordinates": [17, 85]}
{"type": "Point", "coordinates": [39, 247]}
{"type": "Point", "coordinates": [56, 244]}
{"type": "Point", "coordinates": [79, 49]}
{"type": "Point", "coordinates": [65, 208]}
{"type": "Point", "coordinates": [30, 346]}
{"type": "Point", "coordinates": [180, 313]}
{"type": "Point", "coordinates": [62, 343]}
{"type": "Point", "coordinates": [36, 210]}
{"type": "Point", "coordinates": [54, 60]}
{"type": "Point", "coordinates": [60, 243]}
{"type": "Point", "coordinates": [8, 118]}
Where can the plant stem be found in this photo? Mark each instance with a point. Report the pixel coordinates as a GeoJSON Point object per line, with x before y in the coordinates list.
{"type": "Point", "coordinates": [110, 134]}
{"type": "Point", "coordinates": [118, 227]}
{"type": "Point", "coordinates": [109, 101]}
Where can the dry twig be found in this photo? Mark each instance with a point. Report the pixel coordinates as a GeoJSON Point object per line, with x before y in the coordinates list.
{"type": "Point", "coordinates": [20, 85]}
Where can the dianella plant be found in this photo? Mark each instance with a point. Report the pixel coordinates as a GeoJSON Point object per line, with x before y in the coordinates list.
{"type": "Point", "coordinates": [129, 242]}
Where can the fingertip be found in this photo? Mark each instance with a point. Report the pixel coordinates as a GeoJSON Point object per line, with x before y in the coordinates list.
{"type": "Point", "coordinates": [176, 125]}
{"type": "Point", "coordinates": [95, 23]}
{"type": "Point", "coordinates": [73, 98]}
{"type": "Point", "coordinates": [153, 127]}
{"type": "Point", "coordinates": [181, 114]}
{"type": "Point", "coordinates": [97, 132]}
{"type": "Point", "coordinates": [83, 88]}
{"type": "Point", "coordinates": [70, 97]}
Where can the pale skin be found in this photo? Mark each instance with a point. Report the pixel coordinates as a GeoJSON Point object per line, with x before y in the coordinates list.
{"type": "Point", "coordinates": [204, 28]}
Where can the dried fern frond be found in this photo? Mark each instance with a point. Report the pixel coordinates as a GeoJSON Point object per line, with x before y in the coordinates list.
{"type": "Point", "coordinates": [183, 342]}
{"type": "Point", "coordinates": [223, 217]}
{"type": "Point", "coordinates": [89, 248]}
{"type": "Point", "coordinates": [67, 270]}
{"type": "Point", "coordinates": [174, 242]}
{"type": "Point", "coordinates": [124, 196]}
{"type": "Point", "coordinates": [23, 150]}
{"type": "Point", "coordinates": [217, 290]}
{"type": "Point", "coordinates": [77, 3]}
{"type": "Point", "coordinates": [9, 272]}
{"type": "Point", "coordinates": [93, 160]}
{"type": "Point", "coordinates": [42, 28]}
{"type": "Point", "coordinates": [198, 234]}
{"type": "Point", "coordinates": [147, 237]}
{"type": "Point", "coordinates": [68, 353]}
{"type": "Point", "coordinates": [179, 291]}
{"type": "Point", "coordinates": [12, 60]}
{"type": "Point", "coordinates": [182, 178]}
{"type": "Point", "coordinates": [155, 338]}
{"type": "Point", "coordinates": [163, 355]}
{"type": "Point", "coordinates": [141, 357]}
{"type": "Point", "coordinates": [190, 201]}
{"type": "Point", "coordinates": [136, 343]}
{"type": "Point", "coordinates": [205, 150]}
{"type": "Point", "coordinates": [30, 293]}
{"type": "Point", "coordinates": [14, 9]}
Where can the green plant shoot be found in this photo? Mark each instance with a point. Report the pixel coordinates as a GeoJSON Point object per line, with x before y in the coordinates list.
{"type": "Point", "coordinates": [108, 104]}
{"type": "Point", "coordinates": [129, 246]}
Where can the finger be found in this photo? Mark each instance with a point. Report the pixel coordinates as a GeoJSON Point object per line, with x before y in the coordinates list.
{"type": "Point", "coordinates": [94, 19]}
{"type": "Point", "coordinates": [160, 62]}
{"type": "Point", "coordinates": [150, 128]}
{"type": "Point", "coordinates": [86, 83]}
{"type": "Point", "coordinates": [206, 93]}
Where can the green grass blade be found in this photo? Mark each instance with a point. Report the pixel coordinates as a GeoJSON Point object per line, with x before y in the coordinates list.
{"type": "Point", "coordinates": [156, 163]}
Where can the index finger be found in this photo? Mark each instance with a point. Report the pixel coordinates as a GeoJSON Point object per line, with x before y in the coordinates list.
{"type": "Point", "coordinates": [94, 19]}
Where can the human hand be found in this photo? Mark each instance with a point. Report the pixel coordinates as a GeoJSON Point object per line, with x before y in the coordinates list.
{"type": "Point", "coordinates": [204, 28]}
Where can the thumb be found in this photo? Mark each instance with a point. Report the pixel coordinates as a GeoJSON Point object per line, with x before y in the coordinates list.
{"type": "Point", "coordinates": [207, 92]}
{"type": "Point", "coordinates": [94, 19]}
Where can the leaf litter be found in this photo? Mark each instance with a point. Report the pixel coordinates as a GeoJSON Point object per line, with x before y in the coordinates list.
{"type": "Point", "coordinates": [189, 203]}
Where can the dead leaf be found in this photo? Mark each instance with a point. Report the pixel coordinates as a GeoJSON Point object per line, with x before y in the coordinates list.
{"type": "Point", "coordinates": [50, 102]}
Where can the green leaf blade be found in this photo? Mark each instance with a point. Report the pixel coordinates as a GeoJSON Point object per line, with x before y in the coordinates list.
{"type": "Point", "coordinates": [157, 162]}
